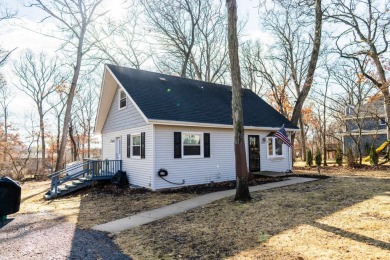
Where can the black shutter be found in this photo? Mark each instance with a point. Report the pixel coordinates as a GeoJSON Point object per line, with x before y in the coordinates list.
{"type": "Point", "coordinates": [128, 145]}
{"type": "Point", "coordinates": [206, 145]}
{"type": "Point", "coordinates": [143, 145]}
{"type": "Point", "coordinates": [177, 144]}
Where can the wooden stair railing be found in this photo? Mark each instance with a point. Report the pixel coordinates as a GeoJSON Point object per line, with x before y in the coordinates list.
{"type": "Point", "coordinates": [85, 172]}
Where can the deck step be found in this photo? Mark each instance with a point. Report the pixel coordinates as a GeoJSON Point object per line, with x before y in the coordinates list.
{"type": "Point", "coordinates": [81, 175]}
{"type": "Point", "coordinates": [87, 178]}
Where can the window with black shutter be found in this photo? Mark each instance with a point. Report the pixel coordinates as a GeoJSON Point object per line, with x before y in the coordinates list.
{"type": "Point", "coordinates": [206, 144]}
{"type": "Point", "coordinates": [143, 145]}
{"type": "Point", "coordinates": [177, 145]}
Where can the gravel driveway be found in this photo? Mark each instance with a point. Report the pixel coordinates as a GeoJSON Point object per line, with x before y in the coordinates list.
{"type": "Point", "coordinates": [46, 236]}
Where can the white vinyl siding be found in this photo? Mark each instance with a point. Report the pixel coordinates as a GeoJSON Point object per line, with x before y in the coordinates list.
{"type": "Point", "coordinates": [125, 118]}
{"type": "Point", "coordinates": [219, 167]}
{"type": "Point", "coordinates": [276, 164]}
{"type": "Point", "coordinates": [139, 172]}
{"type": "Point", "coordinates": [159, 153]}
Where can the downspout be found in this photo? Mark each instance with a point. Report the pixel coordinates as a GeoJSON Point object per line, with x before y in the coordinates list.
{"type": "Point", "coordinates": [153, 186]}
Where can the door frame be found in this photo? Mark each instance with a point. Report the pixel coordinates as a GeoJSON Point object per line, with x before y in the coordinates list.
{"type": "Point", "coordinates": [257, 137]}
{"type": "Point", "coordinates": [118, 148]}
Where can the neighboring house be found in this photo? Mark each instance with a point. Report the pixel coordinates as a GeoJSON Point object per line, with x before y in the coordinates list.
{"type": "Point", "coordinates": [367, 122]}
{"type": "Point", "coordinates": [158, 124]}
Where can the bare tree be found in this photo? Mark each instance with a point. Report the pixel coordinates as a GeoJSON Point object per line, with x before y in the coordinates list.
{"type": "Point", "coordinates": [289, 22]}
{"type": "Point", "coordinates": [38, 78]}
{"type": "Point", "coordinates": [175, 23]}
{"type": "Point", "coordinates": [264, 72]}
{"type": "Point", "coordinates": [20, 150]}
{"type": "Point", "coordinates": [122, 42]}
{"type": "Point", "coordinates": [5, 14]}
{"type": "Point", "coordinates": [209, 57]}
{"type": "Point", "coordinates": [350, 107]}
{"type": "Point", "coordinates": [58, 104]}
{"type": "Point", "coordinates": [365, 39]}
{"type": "Point", "coordinates": [242, 189]}
{"type": "Point", "coordinates": [6, 97]}
{"type": "Point", "coordinates": [188, 38]}
{"type": "Point", "coordinates": [74, 19]}
{"type": "Point", "coordinates": [86, 112]}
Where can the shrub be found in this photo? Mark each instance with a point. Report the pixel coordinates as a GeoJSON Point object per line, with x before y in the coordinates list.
{"type": "Point", "coordinates": [339, 156]}
{"type": "Point", "coordinates": [309, 158]}
{"type": "Point", "coordinates": [318, 157]}
{"type": "Point", "coordinates": [350, 158]}
{"type": "Point", "coordinates": [373, 156]}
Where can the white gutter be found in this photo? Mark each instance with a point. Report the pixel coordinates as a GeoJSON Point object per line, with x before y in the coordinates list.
{"type": "Point", "coordinates": [182, 123]}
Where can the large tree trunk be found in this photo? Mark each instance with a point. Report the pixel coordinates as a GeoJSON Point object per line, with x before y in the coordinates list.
{"type": "Point", "coordinates": [387, 108]}
{"type": "Point", "coordinates": [69, 101]}
{"type": "Point", "coordinates": [311, 68]}
{"type": "Point", "coordinates": [303, 140]}
{"type": "Point", "coordinates": [242, 190]}
{"type": "Point", "coordinates": [74, 145]}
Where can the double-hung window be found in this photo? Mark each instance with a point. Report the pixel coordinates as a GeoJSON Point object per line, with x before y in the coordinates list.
{"type": "Point", "coordinates": [122, 99]}
{"type": "Point", "coordinates": [192, 144]}
{"type": "Point", "coordinates": [274, 147]}
{"type": "Point", "coordinates": [136, 140]}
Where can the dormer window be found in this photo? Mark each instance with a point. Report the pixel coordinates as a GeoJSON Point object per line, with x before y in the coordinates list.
{"type": "Point", "coordinates": [382, 121]}
{"type": "Point", "coordinates": [348, 110]}
{"type": "Point", "coordinates": [122, 99]}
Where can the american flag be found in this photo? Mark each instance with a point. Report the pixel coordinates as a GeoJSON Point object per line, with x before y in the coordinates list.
{"type": "Point", "coordinates": [281, 134]}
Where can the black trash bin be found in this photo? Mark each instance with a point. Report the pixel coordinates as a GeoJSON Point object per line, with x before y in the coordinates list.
{"type": "Point", "coordinates": [10, 195]}
{"type": "Point", "coordinates": [120, 179]}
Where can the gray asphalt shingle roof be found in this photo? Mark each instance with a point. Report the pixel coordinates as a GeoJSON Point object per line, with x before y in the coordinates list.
{"type": "Point", "coordinates": [164, 97]}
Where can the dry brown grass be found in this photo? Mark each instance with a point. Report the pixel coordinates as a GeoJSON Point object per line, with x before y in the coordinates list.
{"type": "Point", "coordinates": [94, 206]}
{"type": "Point", "coordinates": [337, 218]}
{"type": "Point", "coordinates": [382, 172]}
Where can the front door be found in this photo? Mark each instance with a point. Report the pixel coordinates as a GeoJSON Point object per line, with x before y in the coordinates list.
{"type": "Point", "coordinates": [254, 153]}
{"type": "Point", "coordinates": [118, 149]}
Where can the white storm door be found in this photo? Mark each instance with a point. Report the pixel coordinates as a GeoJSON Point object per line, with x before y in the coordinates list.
{"type": "Point", "coordinates": [118, 149]}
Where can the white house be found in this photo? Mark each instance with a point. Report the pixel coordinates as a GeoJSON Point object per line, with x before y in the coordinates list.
{"type": "Point", "coordinates": [172, 131]}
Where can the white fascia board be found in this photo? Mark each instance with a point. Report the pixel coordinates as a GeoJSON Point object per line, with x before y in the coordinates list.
{"type": "Point", "coordinates": [194, 124]}
{"type": "Point", "coordinates": [96, 130]}
{"type": "Point", "coordinates": [130, 98]}
{"type": "Point", "coordinates": [382, 132]}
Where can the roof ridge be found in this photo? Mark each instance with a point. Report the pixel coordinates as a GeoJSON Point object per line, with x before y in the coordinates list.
{"type": "Point", "coordinates": [174, 76]}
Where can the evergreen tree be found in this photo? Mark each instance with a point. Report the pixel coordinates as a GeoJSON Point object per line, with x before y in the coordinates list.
{"type": "Point", "coordinates": [318, 157]}
{"type": "Point", "coordinates": [309, 158]}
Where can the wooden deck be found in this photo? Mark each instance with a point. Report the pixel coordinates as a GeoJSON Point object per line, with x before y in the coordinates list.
{"type": "Point", "coordinates": [273, 174]}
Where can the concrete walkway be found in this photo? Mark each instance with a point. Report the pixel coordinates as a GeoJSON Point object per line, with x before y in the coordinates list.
{"type": "Point", "coordinates": [173, 209]}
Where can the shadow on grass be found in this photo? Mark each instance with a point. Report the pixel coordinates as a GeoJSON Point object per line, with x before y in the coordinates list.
{"type": "Point", "coordinates": [354, 236]}
{"type": "Point", "coordinates": [226, 228]}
